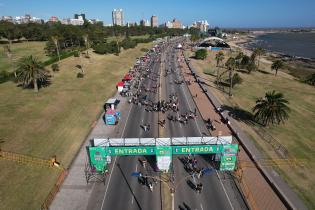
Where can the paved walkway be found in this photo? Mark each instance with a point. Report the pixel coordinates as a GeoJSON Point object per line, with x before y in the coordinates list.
{"type": "Point", "coordinates": [75, 185]}
{"type": "Point", "coordinates": [255, 188]}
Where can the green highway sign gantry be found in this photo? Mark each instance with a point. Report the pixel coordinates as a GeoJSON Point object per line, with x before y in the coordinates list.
{"type": "Point", "coordinates": [176, 150]}
{"type": "Point", "coordinates": [98, 155]}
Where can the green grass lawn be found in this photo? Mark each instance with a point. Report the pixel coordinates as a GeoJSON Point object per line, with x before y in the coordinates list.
{"type": "Point", "coordinates": [297, 134]}
{"type": "Point", "coordinates": [53, 122]}
{"type": "Point", "coordinates": [19, 50]}
{"type": "Point", "coordinates": [120, 38]}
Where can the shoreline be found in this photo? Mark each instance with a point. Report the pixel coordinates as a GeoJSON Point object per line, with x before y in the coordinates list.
{"type": "Point", "coordinates": [244, 44]}
{"type": "Point", "coordinates": [298, 67]}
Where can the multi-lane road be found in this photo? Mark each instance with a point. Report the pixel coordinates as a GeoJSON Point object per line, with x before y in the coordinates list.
{"type": "Point", "coordinates": [122, 191]}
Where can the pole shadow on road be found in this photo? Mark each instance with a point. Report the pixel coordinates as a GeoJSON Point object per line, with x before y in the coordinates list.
{"type": "Point", "coordinates": [186, 207]}
{"type": "Point", "coordinates": [124, 176]}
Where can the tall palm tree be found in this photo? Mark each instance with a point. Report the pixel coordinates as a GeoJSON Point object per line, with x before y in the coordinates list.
{"type": "Point", "coordinates": [55, 40]}
{"type": "Point", "coordinates": [259, 52]}
{"type": "Point", "coordinates": [31, 71]}
{"type": "Point", "coordinates": [272, 108]}
{"type": "Point", "coordinates": [230, 64]}
{"type": "Point", "coordinates": [276, 65]}
{"type": "Point", "coordinates": [219, 58]}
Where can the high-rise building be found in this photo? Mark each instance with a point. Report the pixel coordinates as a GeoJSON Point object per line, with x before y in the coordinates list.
{"type": "Point", "coordinates": [154, 21]}
{"type": "Point", "coordinates": [76, 16]}
{"type": "Point", "coordinates": [118, 17]}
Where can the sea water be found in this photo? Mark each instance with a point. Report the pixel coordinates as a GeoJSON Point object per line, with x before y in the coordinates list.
{"type": "Point", "coordinates": [292, 44]}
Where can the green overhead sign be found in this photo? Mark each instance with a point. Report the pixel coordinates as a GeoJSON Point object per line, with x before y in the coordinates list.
{"type": "Point", "coordinates": [122, 151]}
{"type": "Point", "coordinates": [98, 158]}
{"type": "Point", "coordinates": [228, 162]}
{"type": "Point", "coordinates": [163, 150]}
{"type": "Point", "coordinates": [229, 148]}
{"type": "Point", "coordinates": [197, 149]}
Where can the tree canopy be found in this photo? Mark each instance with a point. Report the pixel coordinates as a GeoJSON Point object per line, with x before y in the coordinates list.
{"type": "Point", "coordinates": [272, 109]}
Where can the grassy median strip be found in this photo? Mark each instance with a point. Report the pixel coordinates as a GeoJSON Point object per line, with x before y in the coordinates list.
{"type": "Point", "coordinates": [54, 121]}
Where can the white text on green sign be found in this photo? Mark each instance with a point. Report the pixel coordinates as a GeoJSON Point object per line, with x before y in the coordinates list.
{"type": "Point", "coordinates": [121, 151]}
{"type": "Point", "coordinates": [200, 149]}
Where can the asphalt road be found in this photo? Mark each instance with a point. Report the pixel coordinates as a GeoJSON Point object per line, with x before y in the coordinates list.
{"type": "Point", "coordinates": [122, 191]}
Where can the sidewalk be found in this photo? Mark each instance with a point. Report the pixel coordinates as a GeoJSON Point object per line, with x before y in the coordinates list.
{"type": "Point", "coordinates": [256, 189]}
{"type": "Point", "coordinates": [75, 185]}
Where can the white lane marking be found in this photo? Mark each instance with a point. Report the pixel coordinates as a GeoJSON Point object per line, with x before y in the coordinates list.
{"type": "Point", "coordinates": [110, 176]}
{"type": "Point", "coordinates": [191, 110]}
{"type": "Point", "coordinates": [225, 191]}
{"type": "Point", "coordinates": [201, 206]}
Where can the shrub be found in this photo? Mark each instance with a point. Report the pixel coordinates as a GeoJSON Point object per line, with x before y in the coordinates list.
{"type": "Point", "coordinates": [311, 80]}
{"type": "Point", "coordinates": [80, 75]}
{"type": "Point", "coordinates": [128, 43]}
{"type": "Point", "coordinates": [236, 79]}
{"type": "Point", "coordinates": [5, 76]}
{"type": "Point", "coordinates": [201, 54]}
{"type": "Point", "coordinates": [55, 67]}
{"type": "Point", "coordinates": [143, 40]}
{"type": "Point", "coordinates": [55, 58]}
{"type": "Point", "coordinates": [106, 48]}
{"type": "Point", "coordinates": [76, 53]}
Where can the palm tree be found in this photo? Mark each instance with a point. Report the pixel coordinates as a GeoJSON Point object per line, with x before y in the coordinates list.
{"type": "Point", "coordinates": [230, 64]}
{"type": "Point", "coordinates": [219, 58]}
{"type": "Point", "coordinates": [31, 71]}
{"type": "Point", "coordinates": [259, 52]}
{"type": "Point", "coordinates": [272, 108]}
{"type": "Point", "coordinates": [276, 65]}
{"type": "Point", "coordinates": [55, 40]}
{"type": "Point", "coordinates": [238, 59]}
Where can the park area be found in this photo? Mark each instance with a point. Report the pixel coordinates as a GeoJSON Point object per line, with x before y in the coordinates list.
{"type": "Point", "coordinates": [296, 135]}
{"type": "Point", "coordinates": [54, 121]}
{"type": "Point", "coordinates": [19, 50]}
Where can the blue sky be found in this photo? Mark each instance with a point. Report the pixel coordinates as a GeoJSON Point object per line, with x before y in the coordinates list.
{"type": "Point", "coordinates": [223, 13]}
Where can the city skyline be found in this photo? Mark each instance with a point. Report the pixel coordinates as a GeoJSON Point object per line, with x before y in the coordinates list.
{"type": "Point", "coordinates": [224, 14]}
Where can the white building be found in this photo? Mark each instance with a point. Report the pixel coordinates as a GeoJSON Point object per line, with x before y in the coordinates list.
{"type": "Point", "coordinates": [202, 25]}
{"type": "Point", "coordinates": [147, 23]}
{"type": "Point", "coordinates": [169, 24]}
{"type": "Point", "coordinates": [118, 17]}
{"type": "Point", "coordinates": [77, 22]}
{"type": "Point", "coordinates": [65, 21]}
